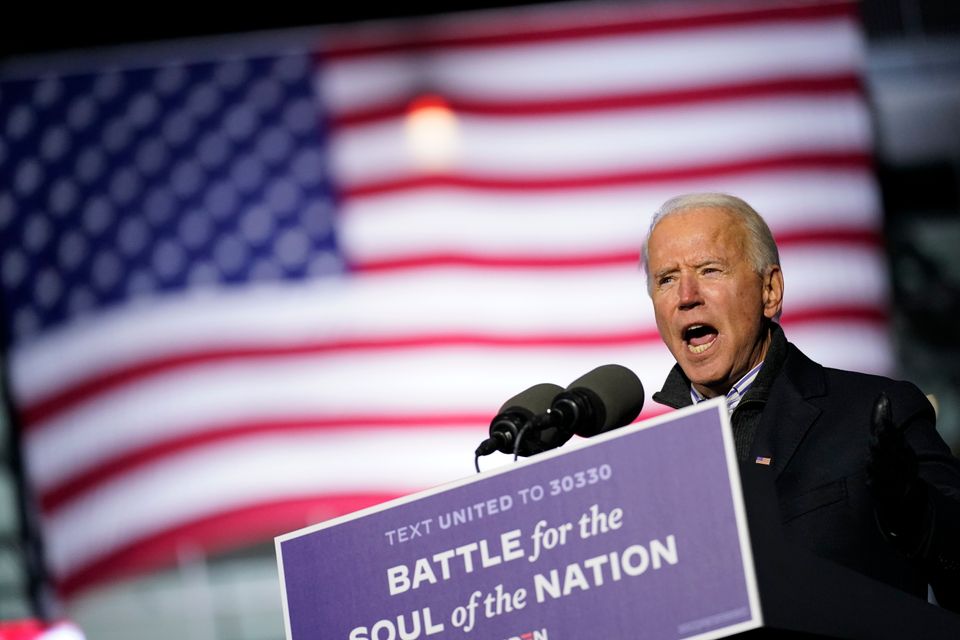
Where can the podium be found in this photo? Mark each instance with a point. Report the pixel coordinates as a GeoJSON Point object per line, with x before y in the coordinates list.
{"type": "Point", "coordinates": [650, 531]}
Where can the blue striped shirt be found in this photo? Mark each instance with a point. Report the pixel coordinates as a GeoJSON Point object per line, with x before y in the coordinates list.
{"type": "Point", "coordinates": [736, 392]}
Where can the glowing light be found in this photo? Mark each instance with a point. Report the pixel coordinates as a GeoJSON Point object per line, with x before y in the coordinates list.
{"type": "Point", "coordinates": [432, 133]}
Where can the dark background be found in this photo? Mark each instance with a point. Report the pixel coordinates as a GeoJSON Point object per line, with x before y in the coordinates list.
{"type": "Point", "coordinates": [34, 30]}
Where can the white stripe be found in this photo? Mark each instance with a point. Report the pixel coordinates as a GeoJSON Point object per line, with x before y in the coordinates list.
{"type": "Point", "coordinates": [599, 66]}
{"type": "Point", "coordinates": [202, 482]}
{"type": "Point", "coordinates": [853, 346]}
{"type": "Point", "coordinates": [598, 143]}
{"type": "Point", "coordinates": [820, 277]}
{"type": "Point", "coordinates": [391, 305]}
{"type": "Point", "coordinates": [573, 222]}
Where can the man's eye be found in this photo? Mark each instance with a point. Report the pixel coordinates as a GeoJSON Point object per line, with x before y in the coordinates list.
{"type": "Point", "coordinates": [664, 280]}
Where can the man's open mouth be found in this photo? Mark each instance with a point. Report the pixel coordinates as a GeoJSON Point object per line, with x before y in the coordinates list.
{"type": "Point", "coordinates": [699, 337]}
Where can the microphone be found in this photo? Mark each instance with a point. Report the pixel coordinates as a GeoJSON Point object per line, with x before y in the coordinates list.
{"type": "Point", "coordinates": [601, 400]}
{"type": "Point", "coordinates": [514, 415]}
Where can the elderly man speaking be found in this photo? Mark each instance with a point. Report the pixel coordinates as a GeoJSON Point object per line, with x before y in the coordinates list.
{"type": "Point", "coordinates": [861, 474]}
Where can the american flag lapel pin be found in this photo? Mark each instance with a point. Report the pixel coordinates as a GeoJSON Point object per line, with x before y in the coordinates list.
{"type": "Point", "coordinates": [763, 460]}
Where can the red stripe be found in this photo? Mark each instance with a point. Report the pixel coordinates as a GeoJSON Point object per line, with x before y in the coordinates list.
{"type": "Point", "coordinates": [538, 108]}
{"type": "Point", "coordinates": [219, 532]}
{"type": "Point", "coordinates": [652, 410]}
{"type": "Point", "coordinates": [629, 256]}
{"type": "Point", "coordinates": [830, 235]}
{"type": "Point", "coordinates": [870, 314]}
{"type": "Point", "coordinates": [425, 36]}
{"type": "Point", "coordinates": [824, 160]}
{"type": "Point", "coordinates": [443, 260]}
{"type": "Point", "coordinates": [211, 435]}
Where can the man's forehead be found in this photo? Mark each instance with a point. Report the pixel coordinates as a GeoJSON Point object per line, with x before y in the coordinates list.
{"type": "Point", "coordinates": [698, 216]}
{"type": "Point", "coordinates": [703, 229]}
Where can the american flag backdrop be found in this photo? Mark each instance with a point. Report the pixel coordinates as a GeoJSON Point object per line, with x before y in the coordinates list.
{"type": "Point", "coordinates": [240, 298]}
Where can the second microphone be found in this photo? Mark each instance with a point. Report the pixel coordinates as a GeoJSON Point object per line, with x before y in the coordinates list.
{"type": "Point", "coordinates": [545, 416]}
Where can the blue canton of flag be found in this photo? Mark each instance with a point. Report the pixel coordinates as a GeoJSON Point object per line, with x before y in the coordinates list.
{"type": "Point", "coordinates": [139, 182]}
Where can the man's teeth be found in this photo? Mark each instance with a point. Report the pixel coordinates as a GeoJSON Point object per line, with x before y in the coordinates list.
{"type": "Point", "coordinates": [691, 335]}
{"type": "Point", "coordinates": [700, 348]}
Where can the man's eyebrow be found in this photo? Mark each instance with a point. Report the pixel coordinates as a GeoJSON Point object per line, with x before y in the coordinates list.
{"type": "Point", "coordinates": [703, 262]}
{"type": "Point", "coordinates": [665, 270]}
{"type": "Point", "coordinates": [709, 261]}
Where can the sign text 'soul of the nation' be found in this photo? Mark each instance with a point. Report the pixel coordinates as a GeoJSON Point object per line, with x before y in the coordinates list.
{"type": "Point", "coordinates": [628, 561]}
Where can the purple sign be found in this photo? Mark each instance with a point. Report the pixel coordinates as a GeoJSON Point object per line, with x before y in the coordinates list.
{"type": "Point", "coordinates": [638, 532]}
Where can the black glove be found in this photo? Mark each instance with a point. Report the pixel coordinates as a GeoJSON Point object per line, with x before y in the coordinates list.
{"type": "Point", "coordinates": [902, 502]}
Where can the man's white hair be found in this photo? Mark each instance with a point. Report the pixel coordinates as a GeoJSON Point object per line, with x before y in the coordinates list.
{"type": "Point", "coordinates": [761, 248]}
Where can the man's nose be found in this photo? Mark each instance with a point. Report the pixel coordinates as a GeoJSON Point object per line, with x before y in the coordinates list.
{"type": "Point", "coordinates": [689, 292]}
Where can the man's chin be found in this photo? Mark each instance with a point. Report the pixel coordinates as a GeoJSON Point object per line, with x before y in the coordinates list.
{"type": "Point", "coordinates": [697, 370]}
{"type": "Point", "coordinates": [704, 382]}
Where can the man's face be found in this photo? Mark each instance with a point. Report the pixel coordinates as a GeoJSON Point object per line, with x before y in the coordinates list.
{"type": "Point", "coordinates": [708, 300]}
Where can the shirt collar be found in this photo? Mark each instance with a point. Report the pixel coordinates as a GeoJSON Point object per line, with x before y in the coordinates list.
{"type": "Point", "coordinates": [736, 392]}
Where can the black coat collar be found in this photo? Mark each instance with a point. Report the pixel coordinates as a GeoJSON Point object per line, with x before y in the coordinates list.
{"type": "Point", "coordinates": [787, 382]}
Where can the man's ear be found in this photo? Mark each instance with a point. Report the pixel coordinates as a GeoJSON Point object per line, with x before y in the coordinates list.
{"type": "Point", "coordinates": [772, 291]}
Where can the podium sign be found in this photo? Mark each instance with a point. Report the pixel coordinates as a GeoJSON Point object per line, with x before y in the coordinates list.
{"type": "Point", "coordinates": [640, 532]}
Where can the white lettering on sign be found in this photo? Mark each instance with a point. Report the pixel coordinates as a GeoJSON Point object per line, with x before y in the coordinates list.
{"type": "Point", "coordinates": [463, 559]}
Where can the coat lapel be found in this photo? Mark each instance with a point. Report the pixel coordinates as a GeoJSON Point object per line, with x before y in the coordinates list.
{"type": "Point", "coordinates": [789, 414]}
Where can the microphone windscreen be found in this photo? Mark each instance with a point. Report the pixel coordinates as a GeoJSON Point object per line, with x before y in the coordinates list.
{"type": "Point", "coordinates": [616, 396]}
{"type": "Point", "coordinates": [533, 401]}
{"type": "Point", "coordinates": [521, 410]}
